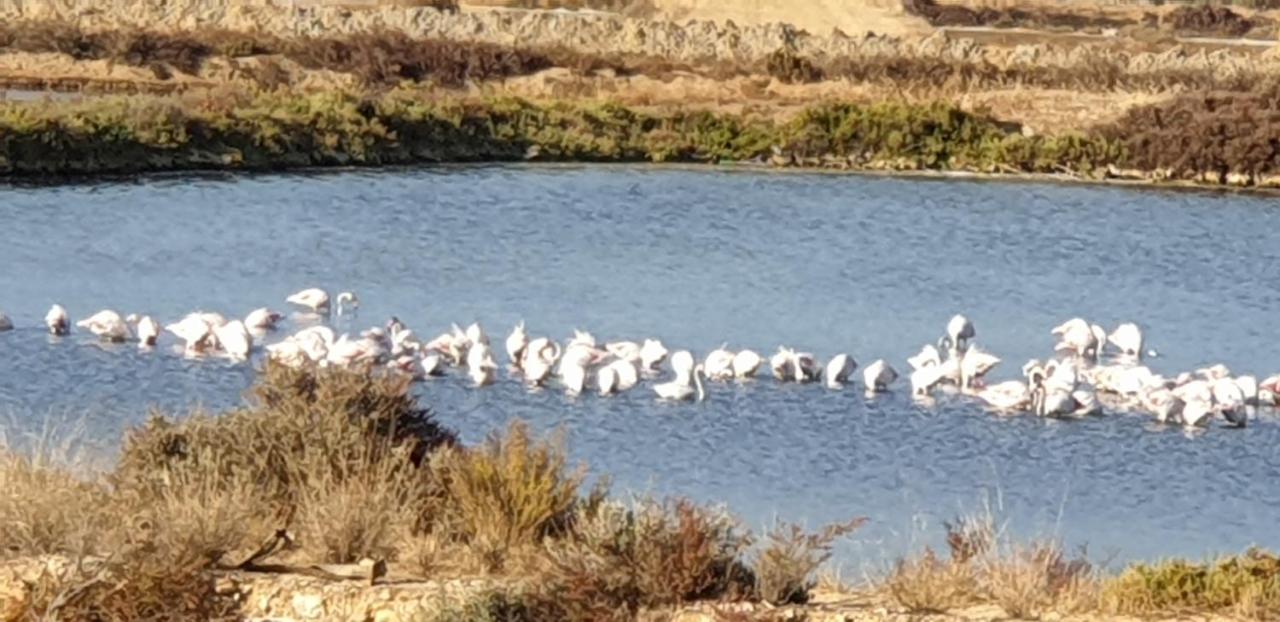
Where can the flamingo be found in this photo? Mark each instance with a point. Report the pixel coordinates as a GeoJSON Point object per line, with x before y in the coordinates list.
{"type": "Point", "coordinates": [1128, 338]}
{"type": "Point", "coordinates": [652, 354]}
{"type": "Point", "coordinates": [148, 331]}
{"type": "Point", "coordinates": [878, 376]}
{"type": "Point", "coordinates": [348, 304]}
{"type": "Point", "coordinates": [234, 338]}
{"type": "Point", "coordinates": [517, 341]}
{"type": "Point", "coordinates": [56, 320]}
{"type": "Point", "coordinates": [746, 363]}
{"type": "Point", "coordinates": [480, 365]}
{"type": "Point", "coordinates": [719, 364]}
{"type": "Point", "coordinates": [839, 368]}
{"type": "Point", "coordinates": [315, 299]}
{"type": "Point", "coordinates": [959, 331]}
{"type": "Point", "coordinates": [262, 319]}
{"type": "Point", "coordinates": [687, 383]}
{"type": "Point", "coordinates": [106, 325]}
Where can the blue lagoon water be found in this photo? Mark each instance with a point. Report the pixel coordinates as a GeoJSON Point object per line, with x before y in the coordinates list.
{"type": "Point", "coordinates": [826, 263]}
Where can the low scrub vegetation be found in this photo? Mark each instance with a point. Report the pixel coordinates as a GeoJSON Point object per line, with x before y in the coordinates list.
{"type": "Point", "coordinates": [1246, 585]}
{"type": "Point", "coordinates": [1032, 580]}
{"type": "Point", "coordinates": [278, 131]}
{"type": "Point", "coordinates": [377, 59]}
{"type": "Point", "coordinates": [326, 466]}
{"type": "Point", "coordinates": [1210, 134]}
{"type": "Point", "coordinates": [940, 14]}
{"type": "Point", "coordinates": [332, 466]}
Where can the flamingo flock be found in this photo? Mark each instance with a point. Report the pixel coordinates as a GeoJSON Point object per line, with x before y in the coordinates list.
{"type": "Point", "coordinates": [1090, 368]}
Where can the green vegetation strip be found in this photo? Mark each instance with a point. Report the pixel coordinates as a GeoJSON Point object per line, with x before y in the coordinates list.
{"type": "Point", "coordinates": [135, 134]}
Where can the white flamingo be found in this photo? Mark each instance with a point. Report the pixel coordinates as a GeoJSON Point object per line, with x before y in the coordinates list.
{"type": "Point", "coordinates": [147, 329]}
{"type": "Point", "coordinates": [1009, 396]}
{"type": "Point", "coordinates": [314, 298]}
{"type": "Point", "coordinates": [433, 365]}
{"type": "Point", "coordinates": [782, 363]}
{"type": "Point", "coordinates": [746, 363]}
{"type": "Point", "coordinates": [262, 319]}
{"type": "Point", "coordinates": [959, 331]}
{"type": "Point", "coordinates": [878, 376]}
{"type": "Point", "coordinates": [839, 368]}
{"type": "Point", "coordinates": [974, 365]}
{"type": "Point", "coordinates": [480, 365]}
{"type": "Point", "coordinates": [57, 321]}
{"type": "Point", "coordinates": [687, 383]}
{"type": "Point", "coordinates": [573, 368]}
{"type": "Point", "coordinates": [107, 325]}
{"type": "Point", "coordinates": [719, 364]}
{"type": "Point", "coordinates": [517, 341]}
{"type": "Point", "coordinates": [805, 367]}
{"type": "Point", "coordinates": [348, 304]}
{"type": "Point", "coordinates": [539, 359]}
{"type": "Point", "coordinates": [1127, 338]}
{"type": "Point", "coordinates": [652, 354]}
{"type": "Point", "coordinates": [194, 331]}
{"type": "Point", "coordinates": [234, 339]}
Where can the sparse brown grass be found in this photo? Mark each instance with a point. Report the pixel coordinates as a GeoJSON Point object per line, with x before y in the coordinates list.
{"type": "Point", "coordinates": [929, 584]}
{"type": "Point", "coordinates": [45, 510]}
{"type": "Point", "coordinates": [1027, 580]}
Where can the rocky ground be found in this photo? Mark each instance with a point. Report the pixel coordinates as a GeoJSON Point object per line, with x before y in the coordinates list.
{"type": "Point", "coordinates": [293, 597]}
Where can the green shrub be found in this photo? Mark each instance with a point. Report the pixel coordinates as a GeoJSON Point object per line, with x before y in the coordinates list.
{"type": "Point", "coordinates": [1247, 584]}
{"type": "Point", "coordinates": [509, 493]}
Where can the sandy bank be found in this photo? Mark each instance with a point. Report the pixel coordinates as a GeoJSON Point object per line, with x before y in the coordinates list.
{"type": "Point", "coordinates": [691, 42]}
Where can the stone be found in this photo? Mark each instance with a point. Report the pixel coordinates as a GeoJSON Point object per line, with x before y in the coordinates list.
{"type": "Point", "coordinates": [385, 615]}
{"type": "Point", "coordinates": [308, 606]}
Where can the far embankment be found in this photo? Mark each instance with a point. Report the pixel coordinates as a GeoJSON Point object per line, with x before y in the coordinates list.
{"type": "Point", "coordinates": [694, 91]}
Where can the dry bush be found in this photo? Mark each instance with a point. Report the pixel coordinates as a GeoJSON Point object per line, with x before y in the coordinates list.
{"type": "Point", "coordinates": [784, 568]}
{"type": "Point", "coordinates": [789, 67]}
{"type": "Point", "coordinates": [378, 58]}
{"type": "Point", "coordinates": [1205, 20]}
{"type": "Point", "coordinates": [1215, 132]}
{"type": "Point", "coordinates": [511, 492]}
{"type": "Point", "coordinates": [1029, 581]}
{"type": "Point", "coordinates": [493, 606]}
{"type": "Point", "coordinates": [687, 552]}
{"type": "Point", "coordinates": [390, 57]}
{"type": "Point", "coordinates": [969, 537]}
{"type": "Point", "coordinates": [342, 521]}
{"type": "Point", "coordinates": [305, 429]}
{"type": "Point", "coordinates": [339, 457]}
{"type": "Point", "coordinates": [1038, 18]}
{"type": "Point", "coordinates": [619, 560]}
{"type": "Point", "coordinates": [155, 559]}
{"type": "Point", "coordinates": [145, 584]}
{"type": "Point", "coordinates": [931, 585]}
{"type": "Point", "coordinates": [45, 510]}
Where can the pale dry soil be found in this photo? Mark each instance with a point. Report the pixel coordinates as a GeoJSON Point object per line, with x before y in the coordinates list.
{"type": "Point", "coordinates": [286, 597]}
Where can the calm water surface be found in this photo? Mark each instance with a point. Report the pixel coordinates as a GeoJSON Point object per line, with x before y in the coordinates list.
{"type": "Point", "coordinates": [871, 266]}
